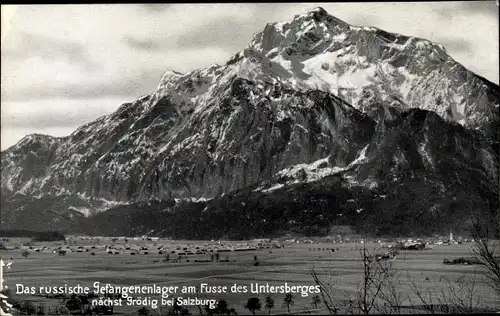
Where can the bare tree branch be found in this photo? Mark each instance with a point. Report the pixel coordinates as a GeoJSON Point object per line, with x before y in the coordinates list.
{"type": "Point", "coordinates": [486, 254]}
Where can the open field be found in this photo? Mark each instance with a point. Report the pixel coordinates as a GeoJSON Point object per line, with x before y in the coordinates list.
{"type": "Point", "coordinates": [290, 264]}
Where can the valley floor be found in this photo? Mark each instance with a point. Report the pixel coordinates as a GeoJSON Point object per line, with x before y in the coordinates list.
{"type": "Point", "coordinates": [291, 264]}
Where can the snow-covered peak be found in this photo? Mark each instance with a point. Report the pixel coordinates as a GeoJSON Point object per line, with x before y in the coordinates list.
{"type": "Point", "coordinates": [303, 32]}
{"type": "Point", "coordinates": [367, 66]}
{"type": "Point", "coordinates": [168, 78]}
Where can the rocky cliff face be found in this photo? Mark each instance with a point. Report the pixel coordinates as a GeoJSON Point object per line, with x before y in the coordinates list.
{"type": "Point", "coordinates": [307, 99]}
{"type": "Point", "coordinates": [246, 133]}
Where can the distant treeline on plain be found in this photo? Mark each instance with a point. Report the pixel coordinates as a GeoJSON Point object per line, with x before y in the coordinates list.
{"type": "Point", "coordinates": [35, 236]}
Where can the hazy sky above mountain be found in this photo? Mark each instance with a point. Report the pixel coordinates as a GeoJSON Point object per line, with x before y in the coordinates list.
{"type": "Point", "coordinates": [65, 65]}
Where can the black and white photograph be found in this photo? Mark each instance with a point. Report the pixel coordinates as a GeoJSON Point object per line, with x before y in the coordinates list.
{"type": "Point", "coordinates": [337, 158]}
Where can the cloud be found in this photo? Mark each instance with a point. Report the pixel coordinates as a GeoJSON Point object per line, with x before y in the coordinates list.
{"type": "Point", "coordinates": [121, 80]}
{"type": "Point", "coordinates": [456, 44]}
{"type": "Point", "coordinates": [364, 20]}
{"type": "Point", "coordinates": [154, 7]}
{"type": "Point", "coordinates": [25, 45]}
{"type": "Point", "coordinates": [481, 7]}
{"type": "Point", "coordinates": [225, 26]}
{"type": "Point", "coordinates": [135, 85]}
{"type": "Point", "coordinates": [227, 33]}
{"type": "Point", "coordinates": [56, 113]}
{"type": "Point", "coordinates": [142, 44]}
{"type": "Point", "coordinates": [470, 8]}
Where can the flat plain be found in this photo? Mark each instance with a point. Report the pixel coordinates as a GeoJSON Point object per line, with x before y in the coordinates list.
{"type": "Point", "coordinates": [291, 264]}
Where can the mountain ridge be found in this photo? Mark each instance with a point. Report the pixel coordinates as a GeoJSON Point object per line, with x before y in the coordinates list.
{"type": "Point", "coordinates": [306, 99]}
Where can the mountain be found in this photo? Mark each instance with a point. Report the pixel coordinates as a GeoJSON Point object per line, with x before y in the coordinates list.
{"type": "Point", "coordinates": [408, 182]}
{"type": "Point", "coordinates": [370, 66]}
{"type": "Point", "coordinates": [307, 101]}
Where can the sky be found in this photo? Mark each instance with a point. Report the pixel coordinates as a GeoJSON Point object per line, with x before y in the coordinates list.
{"type": "Point", "coordinates": [65, 65]}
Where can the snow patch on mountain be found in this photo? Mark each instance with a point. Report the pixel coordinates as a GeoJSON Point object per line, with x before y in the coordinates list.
{"type": "Point", "coordinates": [304, 173]}
{"type": "Point", "coordinates": [85, 211]}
